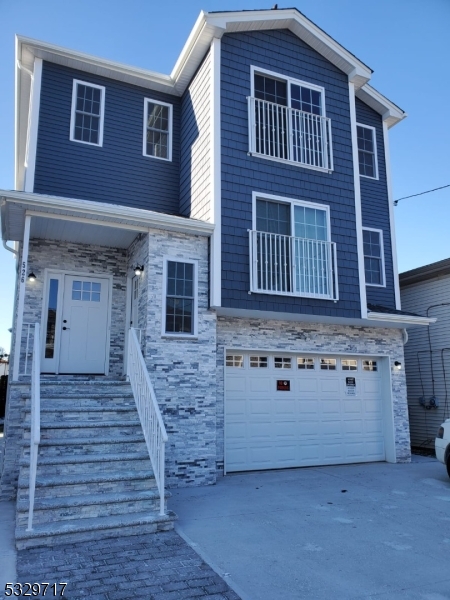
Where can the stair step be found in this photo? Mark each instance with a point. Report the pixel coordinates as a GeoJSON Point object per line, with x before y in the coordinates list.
{"type": "Point", "coordinates": [71, 467]}
{"type": "Point", "coordinates": [91, 408]}
{"type": "Point", "coordinates": [85, 458]}
{"type": "Point", "coordinates": [58, 481]}
{"type": "Point", "coordinates": [84, 424]}
{"type": "Point", "coordinates": [83, 529]}
{"type": "Point", "coordinates": [49, 510]}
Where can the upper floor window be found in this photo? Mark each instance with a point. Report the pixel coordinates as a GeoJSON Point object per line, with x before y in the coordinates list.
{"type": "Point", "coordinates": [157, 129]}
{"type": "Point", "coordinates": [287, 121]}
{"type": "Point", "coordinates": [373, 257]}
{"type": "Point", "coordinates": [290, 249]}
{"type": "Point", "coordinates": [180, 298]}
{"type": "Point", "coordinates": [88, 107]}
{"type": "Point", "coordinates": [367, 151]}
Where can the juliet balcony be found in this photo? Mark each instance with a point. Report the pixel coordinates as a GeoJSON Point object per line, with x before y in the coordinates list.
{"type": "Point", "coordinates": [290, 135]}
{"type": "Point", "coordinates": [291, 266]}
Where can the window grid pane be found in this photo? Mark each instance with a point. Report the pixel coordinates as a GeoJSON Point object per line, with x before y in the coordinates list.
{"type": "Point", "coordinates": [366, 151]}
{"type": "Point", "coordinates": [87, 114]}
{"type": "Point", "coordinates": [158, 130]}
{"type": "Point", "coordinates": [180, 298]}
{"type": "Point", "coordinates": [373, 264]}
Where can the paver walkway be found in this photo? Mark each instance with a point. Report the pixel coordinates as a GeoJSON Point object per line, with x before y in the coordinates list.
{"type": "Point", "coordinates": [161, 566]}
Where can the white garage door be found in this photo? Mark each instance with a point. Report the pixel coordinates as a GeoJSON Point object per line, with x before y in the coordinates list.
{"type": "Point", "coordinates": [301, 410]}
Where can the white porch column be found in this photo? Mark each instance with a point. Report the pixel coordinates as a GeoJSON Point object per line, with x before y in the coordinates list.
{"type": "Point", "coordinates": [20, 305]}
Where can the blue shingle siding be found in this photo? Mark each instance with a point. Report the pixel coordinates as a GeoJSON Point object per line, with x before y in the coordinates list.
{"type": "Point", "coordinates": [375, 206]}
{"type": "Point", "coordinates": [195, 145]}
{"type": "Point", "coordinates": [117, 173]}
{"type": "Point", "coordinates": [282, 52]}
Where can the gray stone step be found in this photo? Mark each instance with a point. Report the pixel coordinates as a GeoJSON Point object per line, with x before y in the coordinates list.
{"type": "Point", "coordinates": [88, 457]}
{"type": "Point", "coordinates": [59, 410]}
{"type": "Point", "coordinates": [68, 464]}
{"type": "Point", "coordinates": [78, 429]}
{"type": "Point", "coordinates": [79, 530]}
{"type": "Point", "coordinates": [87, 483]}
{"type": "Point", "coordinates": [49, 510]}
{"type": "Point", "coordinates": [59, 446]}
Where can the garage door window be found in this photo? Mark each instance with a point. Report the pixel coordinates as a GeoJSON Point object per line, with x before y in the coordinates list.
{"type": "Point", "coordinates": [235, 360]}
{"type": "Point", "coordinates": [349, 365]}
{"type": "Point", "coordinates": [282, 362]}
{"type": "Point", "coordinates": [370, 365]}
{"type": "Point", "coordinates": [305, 363]}
{"type": "Point", "coordinates": [259, 362]}
{"type": "Point", "coordinates": [328, 364]}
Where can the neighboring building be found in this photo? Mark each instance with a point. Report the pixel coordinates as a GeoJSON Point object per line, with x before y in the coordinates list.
{"type": "Point", "coordinates": [426, 290]}
{"type": "Point", "coordinates": [251, 187]}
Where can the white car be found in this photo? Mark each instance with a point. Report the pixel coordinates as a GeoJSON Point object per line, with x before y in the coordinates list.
{"type": "Point", "coordinates": [442, 444]}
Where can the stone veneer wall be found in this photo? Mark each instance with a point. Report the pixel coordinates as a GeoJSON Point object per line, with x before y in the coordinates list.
{"type": "Point", "coordinates": [314, 337]}
{"type": "Point", "coordinates": [84, 259]}
{"type": "Point", "coordinates": [183, 371]}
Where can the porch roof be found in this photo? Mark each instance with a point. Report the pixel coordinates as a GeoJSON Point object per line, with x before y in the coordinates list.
{"type": "Point", "coordinates": [84, 221]}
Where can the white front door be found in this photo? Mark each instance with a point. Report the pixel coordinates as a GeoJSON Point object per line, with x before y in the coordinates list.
{"type": "Point", "coordinates": [84, 325]}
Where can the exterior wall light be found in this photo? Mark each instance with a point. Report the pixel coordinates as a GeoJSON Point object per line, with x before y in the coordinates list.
{"type": "Point", "coordinates": [138, 270]}
{"type": "Point", "coordinates": [31, 277]}
{"type": "Point", "coordinates": [397, 365]}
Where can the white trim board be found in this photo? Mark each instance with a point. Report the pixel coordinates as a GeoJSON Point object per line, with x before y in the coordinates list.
{"type": "Point", "coordinates": [33, 125]}
{"type": "Point", "coordinates": [216, 177]}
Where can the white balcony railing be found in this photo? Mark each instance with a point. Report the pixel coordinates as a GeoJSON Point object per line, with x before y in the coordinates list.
{"type": "Point", "coordinates": [149, 414]}
{"type": "Point", "coordinates": [292, 266]}
{"type": "Point", "coordinates": [290, 135]}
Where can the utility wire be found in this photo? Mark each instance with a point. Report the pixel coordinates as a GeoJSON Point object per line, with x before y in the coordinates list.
{"type": "Point", "coordinates": [421, 194]}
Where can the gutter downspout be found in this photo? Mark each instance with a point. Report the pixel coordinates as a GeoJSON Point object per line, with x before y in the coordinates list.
{"type": "Point", "coordinates": [13, 250]}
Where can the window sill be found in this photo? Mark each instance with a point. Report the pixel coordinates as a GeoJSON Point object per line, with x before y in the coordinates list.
{"type": "Point", "coordinates": [285, 161]}
{"type": "Point", "coordinates": [369, 177]}
{"type": "Point", "coordinates": [378, 285]}
{"type": "Point", "coordinates": [179, 336]}
{"type": "Point", "coordinates": [293, 295]}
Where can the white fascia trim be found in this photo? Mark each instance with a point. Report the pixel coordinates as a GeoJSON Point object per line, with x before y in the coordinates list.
{"type": "Point", "coordinates": [216, 178]}
{"type": "Point", "coordinates": [390, 112]}
{"type": "Point", "coordinates": [401, 319]}
{"type": "Point", "coordinates": [145, 219]}
{"type": "Point", "coordinates": [376, 320]}
{"type": "Point", "coordinates": [358, 211]}
{"type": "Point", "coordinates": [33, 124]}
{"type": "Point", "coordinates": [398, 302]}
{"type": "Point", "coordinates": [223, 20]}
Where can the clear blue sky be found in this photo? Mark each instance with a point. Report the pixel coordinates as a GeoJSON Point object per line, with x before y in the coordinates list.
{"type": "Point", "coordinates": [404, 41]}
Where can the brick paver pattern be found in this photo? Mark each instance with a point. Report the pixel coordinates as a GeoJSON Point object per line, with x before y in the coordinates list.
{"type": "Point", "coordinates": [161, 566]}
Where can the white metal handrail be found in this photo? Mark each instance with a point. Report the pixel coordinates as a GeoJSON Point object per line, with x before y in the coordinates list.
{"type": "Point", "coordinates": [289, 134]}
{"type": "Point", "coordinates": [35, 435]}
{"type": "Point", "coordinates": [149, 414]}
{"type": "Point", "coordinates": [293, 266]}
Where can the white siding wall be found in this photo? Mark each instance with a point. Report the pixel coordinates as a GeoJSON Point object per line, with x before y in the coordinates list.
{"type": "Point", "coordinates": [421, 365]}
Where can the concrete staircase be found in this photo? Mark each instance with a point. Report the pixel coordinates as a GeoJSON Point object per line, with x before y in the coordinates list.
{"type": "Point", "coordinates": [94, 476]}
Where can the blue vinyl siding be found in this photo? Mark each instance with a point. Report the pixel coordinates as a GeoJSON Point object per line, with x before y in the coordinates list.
{"type": "Point", "coordinates": [375, 206]}
{"type": "Point", "coordinates": [116, 173]}
{"type": "Point", "coordinates": [282, 52]}
{"type": "Point", "coordinates": [195, 145]}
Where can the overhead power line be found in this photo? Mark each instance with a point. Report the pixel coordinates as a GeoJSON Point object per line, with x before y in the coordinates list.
{"type": "Point", "coordinates": [421, 193]}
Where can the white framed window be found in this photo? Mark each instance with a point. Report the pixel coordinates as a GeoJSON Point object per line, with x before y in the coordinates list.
{"type": "Point", "coordinates": [305, 363]}
{"type": "Point", "coordinates": [328, 364]}
{"type": "Point", "coordinates": [367, 151]}
{"type": "Point", "coordinates": [349, 364]}
{"type": "Point", "coordinates": [259, 362]}
{"type": "Point", "coordinates": [291, 251]}
{"type": "Point", "coordinates": [235, 360]}
{"type": "Point", "coordinates": [157, 129]}
{"type": "Point", "coordinates": [88, 112]}
{"type": "Point", "coordinates": [180, 303]}
{"type": "Point", "coordinates": [374, 257]}
{"type": "Point", "coordinates": [287, 120]}
{"type": "Point", "coordinates": [370, 365]}
{"type": "Point", "coordinates": [282, 362]}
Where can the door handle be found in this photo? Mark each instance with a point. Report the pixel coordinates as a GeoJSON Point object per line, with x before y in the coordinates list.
{"type": "Point", "coordinates": [64, 328]}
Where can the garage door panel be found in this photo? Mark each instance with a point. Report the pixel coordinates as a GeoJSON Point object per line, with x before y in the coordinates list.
{"type": "Point", "coordinates": [260, 383]}
{"type": "Point", "coordinates": [306, 385]}
{"type": "Point", "coordinates": [330, 407]}
{"type": "Point", "coordinates": [322, 420]}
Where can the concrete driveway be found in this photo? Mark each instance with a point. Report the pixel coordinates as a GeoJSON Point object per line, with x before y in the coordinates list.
{"type": "Point", "coordinates": [374, 531]}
